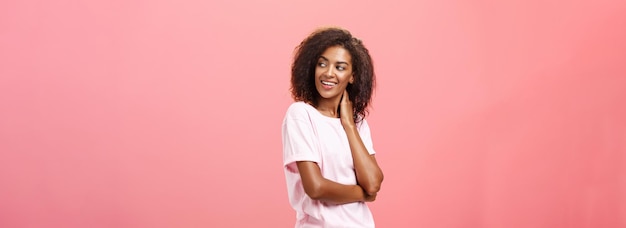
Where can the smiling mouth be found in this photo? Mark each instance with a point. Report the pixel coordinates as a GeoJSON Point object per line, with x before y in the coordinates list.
{"type": "Point", "coordinates": [328, 83]}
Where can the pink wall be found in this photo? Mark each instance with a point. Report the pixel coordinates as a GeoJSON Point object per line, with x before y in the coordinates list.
{"type": "Point", "coordinates": [167, 113]}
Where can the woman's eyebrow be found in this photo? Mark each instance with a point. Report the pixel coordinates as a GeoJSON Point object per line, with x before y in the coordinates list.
{"type": "Point", "coordinates": [338, 62]}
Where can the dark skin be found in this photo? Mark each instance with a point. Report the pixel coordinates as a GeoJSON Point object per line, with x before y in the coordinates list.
{"type": "Point", "coordinates": [335, 67]}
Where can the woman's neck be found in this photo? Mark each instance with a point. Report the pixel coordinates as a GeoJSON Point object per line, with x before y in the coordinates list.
{"type": "Point", "coordinates": [328, 107]}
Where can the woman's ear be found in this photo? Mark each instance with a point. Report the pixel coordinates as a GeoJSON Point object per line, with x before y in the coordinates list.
{"type": "Point", "coordinates": [351, 79]}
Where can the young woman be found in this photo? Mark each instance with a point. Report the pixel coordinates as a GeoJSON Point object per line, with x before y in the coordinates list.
{"type": "Point", "coordinates": [328, 155]}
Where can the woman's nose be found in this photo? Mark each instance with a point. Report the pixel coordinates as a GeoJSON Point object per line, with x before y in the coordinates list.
{"type": "Point", "coordinates": [329, 72]}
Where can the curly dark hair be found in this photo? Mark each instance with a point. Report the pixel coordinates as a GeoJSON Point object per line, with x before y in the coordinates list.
{"type": "Point", "coordinates": [306, 56]}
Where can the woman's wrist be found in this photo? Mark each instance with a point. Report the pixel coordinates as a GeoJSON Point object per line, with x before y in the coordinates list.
{"type": "Point", "coordinates": [348, 125]}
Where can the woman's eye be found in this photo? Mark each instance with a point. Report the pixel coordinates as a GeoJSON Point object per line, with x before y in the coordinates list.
{"type": "Point", "coordinates": [341, 68]}
{"type": "Point", "coordinates": [322, 64]}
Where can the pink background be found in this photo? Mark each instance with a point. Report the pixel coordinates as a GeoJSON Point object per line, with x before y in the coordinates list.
{"type": "Point", "coordinates": [168, 113]}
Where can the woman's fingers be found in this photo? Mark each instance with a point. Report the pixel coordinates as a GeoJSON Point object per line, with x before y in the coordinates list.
{"type": "Point", "coordinates": [346, 109]}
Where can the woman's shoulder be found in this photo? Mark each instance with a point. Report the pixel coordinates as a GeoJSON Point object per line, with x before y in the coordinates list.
{"type": "Point", "coordinates": [298, 109]}
{"type": "Point", "coordinates": [299, 104]}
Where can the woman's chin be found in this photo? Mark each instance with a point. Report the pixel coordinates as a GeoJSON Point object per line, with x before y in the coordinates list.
{"type": "Point", "coordinates": [328, 96]}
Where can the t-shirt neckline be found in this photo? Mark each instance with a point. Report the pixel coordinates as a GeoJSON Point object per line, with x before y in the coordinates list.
{"type": "Point", "coordinates": [320, 114]}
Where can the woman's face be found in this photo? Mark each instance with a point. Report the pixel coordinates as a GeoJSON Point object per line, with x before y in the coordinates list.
{"type": "Point", "coordinates": [333, 72]}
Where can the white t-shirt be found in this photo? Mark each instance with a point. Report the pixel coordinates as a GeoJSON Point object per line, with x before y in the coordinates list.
{"type": "Point", "coordinates": [310, 136]}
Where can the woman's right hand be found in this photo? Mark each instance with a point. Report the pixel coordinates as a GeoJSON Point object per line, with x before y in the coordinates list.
{"type": "Point", "coordinates": [346, 112]}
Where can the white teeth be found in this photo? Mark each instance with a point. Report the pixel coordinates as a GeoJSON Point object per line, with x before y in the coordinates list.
{"type": "Point", "coordinates": [329, 83]}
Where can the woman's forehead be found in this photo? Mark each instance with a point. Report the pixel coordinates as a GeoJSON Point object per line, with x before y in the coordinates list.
{"type": "Point", "coordinates": [336, 54]}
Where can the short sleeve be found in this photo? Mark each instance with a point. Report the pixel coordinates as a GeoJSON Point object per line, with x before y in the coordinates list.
{"type": "Point", "coordinates": [366, 137]}
{"type": "Point", "coordinates": [299, 142]}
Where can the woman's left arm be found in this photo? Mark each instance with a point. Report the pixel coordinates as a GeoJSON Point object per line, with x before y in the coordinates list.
{"type": "Point", "coordinates": [368, 174]}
